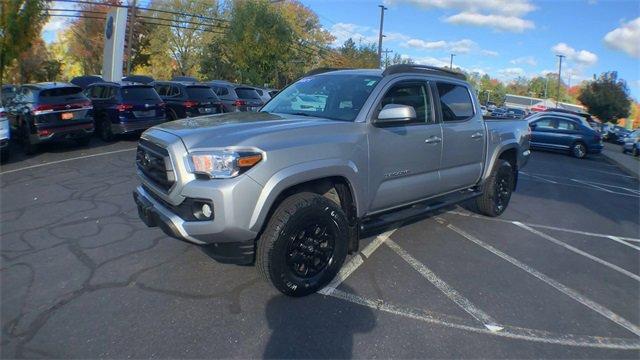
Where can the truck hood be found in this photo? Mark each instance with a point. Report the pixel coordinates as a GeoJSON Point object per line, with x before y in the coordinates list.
{"type": "Point", "coordinates": [233, 129]}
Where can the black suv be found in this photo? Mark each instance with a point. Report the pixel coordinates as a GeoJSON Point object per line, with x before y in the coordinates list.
{"type": "Point", "coordinates": [47, 112]}
{"type": "Point", "coordinates": [124, 107]}
{"type": "Point", "coordinates": [187, 99]}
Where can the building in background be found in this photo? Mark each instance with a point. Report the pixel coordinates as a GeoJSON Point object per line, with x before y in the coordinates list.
{"type": "Point", "coordinates": [537, 104]}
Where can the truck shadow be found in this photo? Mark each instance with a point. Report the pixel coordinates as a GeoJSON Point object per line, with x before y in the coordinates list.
{"type": "Point", "coordinates": [315, 326]}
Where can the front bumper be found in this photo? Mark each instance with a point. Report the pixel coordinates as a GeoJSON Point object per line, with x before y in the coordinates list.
{"type": "Point", "coordinates": [596, 148]}
{"type": "Point", "coordinates": [131, 126]}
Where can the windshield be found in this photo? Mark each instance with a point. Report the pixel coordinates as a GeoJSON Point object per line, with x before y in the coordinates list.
{"type": "Point", "coordinates": [201, 92]}
{"type": "Point", "coordinates": [336, 97]}
{"type": "Point", "coordinates": [139, 93]}
{"type": "Point", "coordinates": [247, 93]}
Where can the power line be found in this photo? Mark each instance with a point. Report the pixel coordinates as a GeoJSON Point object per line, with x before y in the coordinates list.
{"type": "Point", "coordinates": [142, 22]}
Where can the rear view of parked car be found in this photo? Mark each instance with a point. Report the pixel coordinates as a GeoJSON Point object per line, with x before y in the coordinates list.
{"type": "Point", "coordinates": [632, 143]}
{"type": "Point", "coordinates": [4, 135]}
{"type": "Point", "coordinates": [121, 108]}
{"type": "Point", "coordinates": [86, 80]}
{"type": "Point", "coordinates": [236, 97]}
{"type": "Point", "coordinates": [46, 112]}
{"type": "Point", "coordinates": [556, 131]}
{"type": "Point", "coordinates": [188, 99]}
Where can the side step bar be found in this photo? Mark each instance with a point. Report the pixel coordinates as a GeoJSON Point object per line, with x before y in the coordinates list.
{"type": "Point", "coordinates": [379, 223]}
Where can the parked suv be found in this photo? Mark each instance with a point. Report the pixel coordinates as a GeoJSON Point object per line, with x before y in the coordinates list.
{"type": "Point", "coordinates": [236, 97]}
{"type": "Point", "coordinates": [46, 112]}
{"type": "Point", "coordinates": [564, 132]}
{"type": "Point", "coordinates": [187, 99]}
{"type": "Point", "coordinates": [4, 135]}
{"type": "Point", "coordinates": [300, 187]}
{"type": "Point", "coordinates": [120, 108]}
{"type": "Point", "coordinates": [632, 143]}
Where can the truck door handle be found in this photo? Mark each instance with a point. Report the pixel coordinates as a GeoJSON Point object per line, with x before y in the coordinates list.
{"type": "Point", "coordinates": [433, 140]}
{"type": "Point", "coordinates": [477, 135]}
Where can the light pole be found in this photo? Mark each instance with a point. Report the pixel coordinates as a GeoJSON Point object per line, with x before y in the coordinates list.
{"type": "Point", "coordinates": [488, 93]}
{"type": "Point", "coordinates": [382, 9]}
{"type": "Point", "coordinates": [559, 78]}
{"type": "Point", "coordinates": [132, 19]}
{"type": "Point", "coordinates": [451, 62]}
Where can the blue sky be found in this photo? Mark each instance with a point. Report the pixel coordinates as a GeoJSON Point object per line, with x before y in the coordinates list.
{"type": "Point", "coordinates": [502, 38]}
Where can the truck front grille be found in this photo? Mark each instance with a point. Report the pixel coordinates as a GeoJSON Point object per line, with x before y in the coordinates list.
{"type": "Point", "coordinates": [154, 163]}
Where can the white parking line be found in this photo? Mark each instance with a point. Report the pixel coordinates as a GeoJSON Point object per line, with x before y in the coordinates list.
{"type": "Point", "coordinates": [459, 213]}
{"type": "Point", "coordinates": [510, 332]}
{"type": "Point", "coordinates": [582, 186]}
{"type": "Point", "coordinates": [355, 262]}
{"type": "Point", "coordinates": [65, 160]}
{"type": "Point", "coordinates": [558, 286]}
{"type": "Point", "coordinates": [578, 251]}
{"type": "Point", "coordinates": [618, 240]}
{"type": "Point", "coordinates": [447, 290]}
{"type": "Point", "coordinates": [538, 177]}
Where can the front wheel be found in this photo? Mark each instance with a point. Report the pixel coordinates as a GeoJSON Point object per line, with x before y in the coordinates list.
{"type": "Point", "coordinates": [304, 244]}
{"type": "Point", "coordinates": [497, 190]}
{"type": "Point", "coordinates": [105, 132]}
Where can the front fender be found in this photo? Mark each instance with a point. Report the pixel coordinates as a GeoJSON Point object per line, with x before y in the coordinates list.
{"type": "Point", "coordinates": [298, 174]}
{"type": "Point", "coordinates": [495, 154]}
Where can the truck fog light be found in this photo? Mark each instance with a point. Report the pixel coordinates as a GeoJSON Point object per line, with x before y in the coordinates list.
{"type": "Point", "coordinates": [206, 210]}
{"type": "Point", "coordinates": [202, 210]}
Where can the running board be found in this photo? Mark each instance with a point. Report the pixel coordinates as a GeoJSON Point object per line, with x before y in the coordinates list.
{"type": "Point", "coordinates": [379, 223]}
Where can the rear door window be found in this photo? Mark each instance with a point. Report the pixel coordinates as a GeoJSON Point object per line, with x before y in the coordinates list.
{"type": "Point", "coordinates": [455, 102]}
{"type": "Point", "coordinates": [139, 93]}
{"type": "Point", "coordinates": [200, 92]}
{"type": "Point", "coordinates": [162, 89]}
{"type": "Point", "coordinates": [545, 123]}
{"type": "Point", "coordinates": [247, 93]}
{"type": "Point", "coordinates": [567, 125]}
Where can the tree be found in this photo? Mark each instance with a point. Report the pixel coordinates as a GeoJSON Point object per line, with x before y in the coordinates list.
{"type": "Point", "coordinates": [607, 97]}
{"type": "Point", "coordinates": [34, 65]}
{"type": "Point", "coordinates": [20, 22]}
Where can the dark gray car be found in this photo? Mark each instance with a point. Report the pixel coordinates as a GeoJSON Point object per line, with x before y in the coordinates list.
{"type": "Point", "coordinates": [236, 97]}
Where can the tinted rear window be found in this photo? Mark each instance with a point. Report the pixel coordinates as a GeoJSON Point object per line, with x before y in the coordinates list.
{"type": "Point", "coordinates": [140, 93]}
{"type": "Point", "coordinates": [200, 92]}
{"type": "Point", "coordinates": [246, 93]}
{"type": "Point", "coordinates": [61, 91]}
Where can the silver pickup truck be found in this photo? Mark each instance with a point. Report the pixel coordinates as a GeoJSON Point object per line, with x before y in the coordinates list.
{"type": "Point", "coordinates": [295, 186]}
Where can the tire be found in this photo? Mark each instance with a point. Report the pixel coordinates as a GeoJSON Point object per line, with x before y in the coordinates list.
{"type": "Point", "coordinates": [4, 155]}
{"type": "Point", "coordinates": [579, 150]}
{"type": "Point", "coordinates": [83, 141]}
{"type": "Point", "coordinates": [285, 248]}
{"type": "Point", "coordinates": [104, 130]}
{"type": "Point", "coordinates": [496, 191]}
{"type": "Point", "coordinates": [27, 146]}
{"type": "Point", "coordinates": [635, 151]}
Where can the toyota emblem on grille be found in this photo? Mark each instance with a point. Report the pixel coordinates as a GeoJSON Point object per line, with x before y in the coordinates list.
{"type": "Point", "coordinates": [146, 105]}
{"type": "Point", "coordinates": [68, 106]}
{"type": "Point", "coordinates": [146, 160]}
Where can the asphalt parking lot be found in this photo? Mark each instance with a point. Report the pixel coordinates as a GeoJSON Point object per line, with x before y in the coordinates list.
{"type": "Point", "coordinates": [558, 275]}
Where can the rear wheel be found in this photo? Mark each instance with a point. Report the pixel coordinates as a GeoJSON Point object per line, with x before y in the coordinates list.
{"type": "Point", "coordinates": [104, 130]}
{"type": "Point", "coordinates": [496, 190]}
{"type": "Point", "coordinates": [304, 244]}
{"type": "Point", "coordinates": [635, 151]}
{"type": "Point", "coordinates": [579, 150]}
{"type": "Point", "coordinates": [27, 146]}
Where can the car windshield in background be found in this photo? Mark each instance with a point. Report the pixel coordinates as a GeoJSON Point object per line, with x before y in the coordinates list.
{"type": "Point", "coordinates": [247, 93]}
{"type": "Point", "coordinates": [336, 97]}
{"type": "Point", "coordinates": [140, 93]}
{"type": "Point", "coordinates": [200, 92]}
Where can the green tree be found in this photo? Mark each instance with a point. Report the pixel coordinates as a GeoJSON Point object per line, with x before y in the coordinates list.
{"type": "Point", "coordinates": [20, 23]}
{"type": "Point", "coordinates": [607, 97]}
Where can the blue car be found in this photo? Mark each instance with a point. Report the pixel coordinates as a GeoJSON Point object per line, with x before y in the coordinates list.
{"type": "Point", "coordinates": [120, 108]}
{"type": "Point", "coordinates": [563, 132]}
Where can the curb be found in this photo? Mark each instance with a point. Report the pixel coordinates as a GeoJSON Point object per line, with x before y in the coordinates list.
{"type": "Point", "coordinates": [622, 166]}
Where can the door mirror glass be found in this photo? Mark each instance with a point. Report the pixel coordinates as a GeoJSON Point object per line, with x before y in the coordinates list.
{"type": "Point", "coordinates": [396, 113]}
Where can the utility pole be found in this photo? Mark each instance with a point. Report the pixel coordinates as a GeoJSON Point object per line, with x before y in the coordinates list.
{"type": "Point", "coordinates": [382, 9]}
{"type": "Point", "coordinates": [386, 57]}
{"type": "Point", "coordinates": [488, 93]}
{"type": "Point", "coordinates": [451, 62]}
{"type": "Point", "coordinates": [559, 78]}
{"type": "Point", "coordinates": [546, 84]}
{"type": "Point", "coordinates": [132, 17]}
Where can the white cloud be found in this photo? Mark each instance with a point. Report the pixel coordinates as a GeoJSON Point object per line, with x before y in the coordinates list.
{"type": "Point", "coordinates": [580, 57]}
{"type": "Point", "coordinates": [426, 45]}
{"type": "Point", "coordinates": [498, 22]}
{"type": "Point", "coordinates": [359, 33]}
{"type": "Point", "coordinates": [510, 73]}
{"type": "Point", "coordinates": [489, 52]}
{"type": "Point", "coordinates": [432, 61]}
{"type": "Point", "coordinates": [528, 60]}
{"type": "Point", "coordinates": [626, 38]}
{"type": "Point", "coordinates": [507, 7]}
{"type": "Point", "coordinates": [57, 23]}
{"type": "Point", "coordinates": [503, 15]}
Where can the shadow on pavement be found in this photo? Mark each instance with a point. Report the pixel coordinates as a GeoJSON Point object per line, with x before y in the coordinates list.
{"type": "Point", "coordinates": [315, 327]}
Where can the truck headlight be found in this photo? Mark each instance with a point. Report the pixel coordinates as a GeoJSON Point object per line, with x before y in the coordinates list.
{"type": "Point", "coordinates": [223, 164]}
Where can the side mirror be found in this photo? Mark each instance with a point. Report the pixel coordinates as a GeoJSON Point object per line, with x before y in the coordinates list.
{"type": "Point", "coordinates": [396, 113]}
{"type": "Point", "coordinates": [532, 126]}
